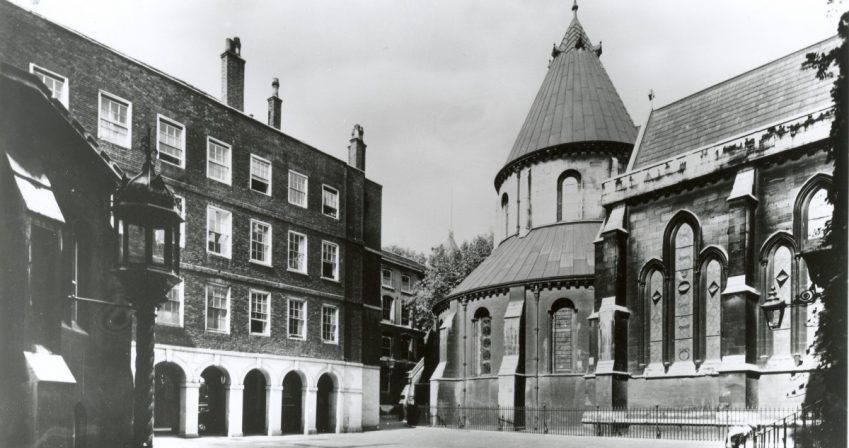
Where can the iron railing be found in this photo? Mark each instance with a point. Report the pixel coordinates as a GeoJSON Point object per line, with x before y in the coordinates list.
{"type": "Point", "coordinates": [794, 430]}
{"type": "Point", "coordinates": [696, 423]}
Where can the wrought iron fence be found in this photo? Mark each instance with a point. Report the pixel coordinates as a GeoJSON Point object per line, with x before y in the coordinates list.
{"type": "Point", "coordinates": [657, 422]}
{"type": "Point", "coordinates": [793, 430]}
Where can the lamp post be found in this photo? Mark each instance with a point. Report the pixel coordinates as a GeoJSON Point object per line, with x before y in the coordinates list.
{"type": "Point", "coordinates": [148, 232]}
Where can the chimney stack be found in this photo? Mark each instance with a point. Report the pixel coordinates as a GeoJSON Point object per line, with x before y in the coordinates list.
{"type": "Point", "coordinates": [275, 105]}
{"type": "Point", "coordinates": [233, 74]}
{"type": "Point", "coordinates": [357, 149]}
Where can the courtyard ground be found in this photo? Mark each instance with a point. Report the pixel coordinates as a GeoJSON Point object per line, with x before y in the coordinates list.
{"type": "Point", "coordinates": [426, 437]}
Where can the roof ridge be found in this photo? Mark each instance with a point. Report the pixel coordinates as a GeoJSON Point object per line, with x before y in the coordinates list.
{"type": "Point", "coordinates": [749, 71]}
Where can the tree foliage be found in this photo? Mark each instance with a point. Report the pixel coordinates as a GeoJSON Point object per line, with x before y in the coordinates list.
{"type": "Point", "coordinates": [826, 394]}
{"type": "Point", "coordinates": [445, 270]}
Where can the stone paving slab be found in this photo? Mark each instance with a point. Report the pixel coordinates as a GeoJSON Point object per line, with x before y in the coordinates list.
{"type": "Point", "coordinates": [426, 437]}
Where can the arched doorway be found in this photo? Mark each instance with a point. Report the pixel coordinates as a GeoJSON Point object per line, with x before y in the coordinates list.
{"type": "Point", "coordinates": [212, 403]}
{"type": "Point", "coordinates": [325, 409]}
{"type": "Point", "coordinates": [253, 404]}
{"type": "Point", "coordinates": [169, 377]}
{"type": "Point", "coordinates": [292, 416]}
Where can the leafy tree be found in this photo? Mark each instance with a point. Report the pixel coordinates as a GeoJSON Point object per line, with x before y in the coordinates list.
{"type": "Point", "coordinates": [826, 394]}
{"type": "Point", "coordinates": [445, 270]}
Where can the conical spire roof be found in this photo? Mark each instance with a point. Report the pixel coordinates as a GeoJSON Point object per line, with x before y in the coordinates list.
{"type": "Point", "coordinates": [576, 102]}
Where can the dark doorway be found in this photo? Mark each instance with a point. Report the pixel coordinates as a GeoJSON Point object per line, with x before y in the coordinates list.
{"type": "Point", "coordinates": [212, 403]}
{"type": "Point", "coordinates": [166, 404]}
{"type": "Point", "coordinates": [325, 409]}
{"type": "Point", "coordinates": [292, 418]}
{"type": "Point", "coordinates": [253, 404]}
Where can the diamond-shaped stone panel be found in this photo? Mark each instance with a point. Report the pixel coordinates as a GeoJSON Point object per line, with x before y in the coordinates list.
{"type": "Point", "coordinates": [781, 278]}
{"type": "Point", "coordinates": [656, 297]}
{"type": "Point", "coordinates": [713, 288]}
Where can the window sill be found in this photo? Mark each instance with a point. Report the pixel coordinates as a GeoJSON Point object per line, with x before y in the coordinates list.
{"type": "Point", "coordinates": [217, 254]}
{"type": "Point", "coordinates": [304, 206]}
{"type": "Point", "coordinates": [181, 166]}
{"type": "Point", "coordinates": [265, 335]}
{"type": "Point", "coordinates": [297, 338]}
{"type": "Point", "coordinates": [388, 287]}
{"type": "Point", "coordinates": [260, 192]}
{"type": "Point", "coordinates": [409, 292]}
{"type": "Point", "coordinates": [217, 331]}
{"type": "Point", "coordinates": [324, 341]}
{"type": "Point", "coordinates": [227, 183]}
{"type": "Point", "coordinates": [331, 216]}
{"type": "Point", "coordinates": [261, 263]}
{"type": "Point", "coordinates": [125, 145]}
{"type": "Point", "coordinates": [168, 324]}
{"type": "Point", "coordinates": [330, 279]}
{"type": "Point", "coordinates": [297, 272]}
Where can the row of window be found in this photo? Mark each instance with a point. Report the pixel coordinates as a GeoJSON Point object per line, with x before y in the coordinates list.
{"type": "Point", "coordinates": [115, 126]}
{"type": "Point", "coordinates": [387, 282]}
{"type": "Point", "coordinates": [570, 205]}
{"type": "Point", "coordinates": [217, 315]}
{"type": "Point", "coordinates": [219, 238]}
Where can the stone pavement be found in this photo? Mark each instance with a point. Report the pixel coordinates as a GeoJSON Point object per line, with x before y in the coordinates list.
{"type": "Point", "coordinates": [426, 437]}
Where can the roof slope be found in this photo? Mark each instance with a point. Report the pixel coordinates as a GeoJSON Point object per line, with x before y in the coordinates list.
{"type": "Point", "coordinates": [576, 102]}
{"type": "Point", "coordinates": [760, 97]}
{"type": "Point", "coordinates": [562, 250]}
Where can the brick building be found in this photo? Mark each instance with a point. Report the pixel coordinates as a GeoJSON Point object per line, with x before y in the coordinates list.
{"type": "Point", "coordinates": [400, 343]}
{"type": "Point", "coordinates": [275, 326]}
{"type": "Point", "coordinates": [632, 262]}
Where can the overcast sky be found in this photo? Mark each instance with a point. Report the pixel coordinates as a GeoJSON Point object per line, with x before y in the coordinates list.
{"type": "Point", "coordinates": [441, 87]}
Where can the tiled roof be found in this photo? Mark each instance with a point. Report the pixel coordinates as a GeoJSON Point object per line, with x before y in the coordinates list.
{"type": "Point", "coordinates": [558, 251]}
{"type": "Point", "coordinates": [751, 100]}
{"type": "Point", "coordinates": [576, 102]}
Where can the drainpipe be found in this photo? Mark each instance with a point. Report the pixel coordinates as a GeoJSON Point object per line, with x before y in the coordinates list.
{"type": "Point", "coordinates": [536, 290]}
{"type": "Point", "coordinates": [465, 302]}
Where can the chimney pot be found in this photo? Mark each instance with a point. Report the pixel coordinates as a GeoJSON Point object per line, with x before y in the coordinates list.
{"type": "Point", "coordinates": [357, 149]}
{"type": "Point", "coordinates": [233, 74]}
{"type": "Point", "coordinates": [275, 105]}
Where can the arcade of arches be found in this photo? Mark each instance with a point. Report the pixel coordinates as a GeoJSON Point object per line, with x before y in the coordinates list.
{"type": "Point", "coordinates": [227, 399]}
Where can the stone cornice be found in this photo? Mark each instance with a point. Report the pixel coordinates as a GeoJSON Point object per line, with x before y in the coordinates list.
{"type": "Point", "coordinates": [613, 149]}
{"type": "Point", "coordinates": [581, 281]}
{"type": "Point", "coordinates": [735, 152]}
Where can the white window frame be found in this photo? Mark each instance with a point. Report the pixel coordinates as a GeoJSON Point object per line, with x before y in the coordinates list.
{"type": "Point", "coordinates": [206, 309]}
{"type": "Point", "coordinates": [305, 251]}
{"type": "Point", "coordinates": [63, 98]}
{"type": "Point", "coordinates": [409, 287]}
{"type": "Point", "coordinates": [335, 339]}
{"type": "Point", "coordinates": [391, 346]}
{"type": "Point", "coordinates": [182, 200]}
{"type": "Point", "coordinates": [229, 148]}
{"type": "Point", "coordinates": [325, 187]}
{"type": "Point", "coordinates": [128, 140]}
{"type": "Point", "coordinates": [382, 283]}
{"type": "Point", "coordinates": [267, 331]}
{"type": "Point", "coordinates": [179, 287]}
{"type": "Point", "coordinates": [335, 262]}
{"type": "Point", "coordinates": [301, 337]}
{"type": "Point", "coordinates": [266, 262]}
{"type": "Point", "coordinates": [173, 123]}
{"type": "Point", "coordinates": [306, 189]}
{"type": "Point", "coordinates": [229, 245]}
{"type": "Point", "coordinates": [251, 177]}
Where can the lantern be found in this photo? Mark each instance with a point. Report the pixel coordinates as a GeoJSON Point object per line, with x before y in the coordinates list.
{"type": "Point", "coordinates": [773, 308]}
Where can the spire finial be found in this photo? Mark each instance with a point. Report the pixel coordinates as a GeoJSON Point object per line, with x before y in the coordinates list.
{"type": "Point", "coordinates": [575, 7]}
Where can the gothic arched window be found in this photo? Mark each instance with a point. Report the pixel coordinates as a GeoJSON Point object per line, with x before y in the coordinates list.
{"type": "Point", "coordinates": [482, 324]}
{"type": "Point", "coordinates": [711, 286]}
{"type": "Point", "coordinates": [569, 197]}
{"type": "Point", "coordinates": [653, 292]}
{"type": "Point", "coordinates": [562, 336]}
{"type": "Point", "coordinates": [505, 213]}
{"type": "Point", "coordinates": [681, 247]}
{"type": "Point", "coordinates": [779, 283]}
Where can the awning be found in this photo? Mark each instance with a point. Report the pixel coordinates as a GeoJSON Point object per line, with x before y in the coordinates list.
{"type": "Point", "coordinates": [34, 187]}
